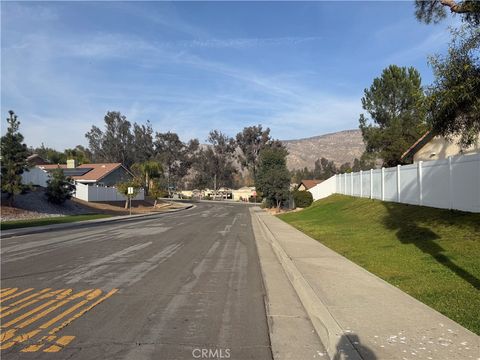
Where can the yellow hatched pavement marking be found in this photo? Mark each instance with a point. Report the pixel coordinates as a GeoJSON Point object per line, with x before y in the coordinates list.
{"type": "Point", "coordinates": [83, 311]}
{"type": "Point", "coordinates": [38, 308]}
{"type": "Point", "coordinates": [3, 308]}
{"type": "Point", "coordinates": [60, 344]}
{"type": "Point", "coordinates": [40, 344]}
{"type": "Point", "coordinates": [7, 292]}
{"type": "Point", "coordinates": [56, 306]}
{"type": "Point", "coordinates": [15, 295]}
{"type": "Point", "coordinates": [4, 289]}
{"type": "Point", "coordinates": [45, 296]}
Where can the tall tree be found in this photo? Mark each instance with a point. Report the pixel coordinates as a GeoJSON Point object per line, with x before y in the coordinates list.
{"type": "Point", "coordinates": [176, 156]}
{"type": "Point", "coordinates": [80, 154]}
{"type": "Point", "coordinates": [273, 178]}
{"type": "Point", "coordinates": [14, 158]}
{"type": "Point", "coordinates": [143, 148]}
{"type": "Point", "coordinates": [430, 11]}
{"type": "Point", "coordinates": [251, 140]}
{"type": "Point", "coordinates": [115, 144]}
{"type": "Point", "coordinates": [395, 102]}
{"type": "Point", "coordinates": [454, 97]}
{"type": "Point", "coordinates": [214, 166]}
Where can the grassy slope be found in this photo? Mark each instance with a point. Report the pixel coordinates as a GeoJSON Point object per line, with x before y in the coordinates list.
{"type": "Point", "coordinates": [49, 221]}
{"type": "Point", "coordinates": [431, 254]}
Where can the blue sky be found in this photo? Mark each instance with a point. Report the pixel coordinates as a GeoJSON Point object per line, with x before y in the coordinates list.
{"type": "Point", "coordinates": [297, 67]}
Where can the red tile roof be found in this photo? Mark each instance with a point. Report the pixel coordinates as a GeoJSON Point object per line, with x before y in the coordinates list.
{"type": "Point", "coordinates": [98, 172]}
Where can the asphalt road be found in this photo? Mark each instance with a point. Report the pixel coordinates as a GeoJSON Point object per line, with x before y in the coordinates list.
{"type": "Point", "coordinates": [185, 285]}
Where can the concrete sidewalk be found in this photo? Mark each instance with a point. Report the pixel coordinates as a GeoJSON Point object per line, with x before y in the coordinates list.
{"type": "Point", "coordinates": [358, 315]}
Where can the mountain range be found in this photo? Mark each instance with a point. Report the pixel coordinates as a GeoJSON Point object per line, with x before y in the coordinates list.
{"type": "Point", "coordinates": [341, 147]}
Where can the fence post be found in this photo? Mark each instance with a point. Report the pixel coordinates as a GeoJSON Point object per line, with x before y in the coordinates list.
{"type": "Point", "coordinates": [361, 183]}
{"type": "Point", "coordinates": [450, 183]}
{"type": "Point", "coordinates": [351, 183]}
{"type": "Point", "coordinates": [371, 183]}
{"type": "Point", "coordinates": [398, 182]}
{"type": "Point", "coordinates": [383, 184]}
{"type": "Point", "coordinates": [420, 183]}
{"type": "Point", "coordinates": [345, 183]}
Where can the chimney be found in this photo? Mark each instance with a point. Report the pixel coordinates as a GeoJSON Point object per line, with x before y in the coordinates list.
{"type": "Point", "coordinates": [71, 164]}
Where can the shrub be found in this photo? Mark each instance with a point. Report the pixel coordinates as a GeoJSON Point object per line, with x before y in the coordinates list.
{"type": "Point", "coordinates": [59, 188]}
{"type": "Point", "coordinates": [302, 199]}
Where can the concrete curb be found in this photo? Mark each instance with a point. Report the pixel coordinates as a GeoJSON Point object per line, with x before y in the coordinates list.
{"type": "Point", "coordinates": [326, 327]}
{"type": "Point", "coordinates": [5, 234]}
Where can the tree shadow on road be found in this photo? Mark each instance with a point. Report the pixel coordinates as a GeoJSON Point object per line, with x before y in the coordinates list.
{"type": "Point", "coordinates": [410, 232]}
{"type": "Point", "coordinates": [345, 344]}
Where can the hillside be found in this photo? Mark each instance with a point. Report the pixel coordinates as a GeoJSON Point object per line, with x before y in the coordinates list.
{"type": "Point", "coordinates": [341, 147]}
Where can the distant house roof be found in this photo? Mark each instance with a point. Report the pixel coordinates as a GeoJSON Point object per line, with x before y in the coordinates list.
{"type": "Point", "coordinates": [86, 172]}
{"type": "Point", "coordinates": [36, 159]}
{"type": "Point", "coordinates": [429, 135]}
{"type": "Point", "coordinates": [309, 183]}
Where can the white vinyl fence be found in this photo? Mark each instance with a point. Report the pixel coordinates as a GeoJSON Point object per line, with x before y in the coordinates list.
{"type": "Point", "coordinates": [101, 193]}
{"type": "Point", "coordinates": [35, 176]}
{"type": "Point", "coordinates": [453, 183]}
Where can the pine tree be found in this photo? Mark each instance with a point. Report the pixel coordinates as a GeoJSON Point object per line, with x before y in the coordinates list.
{"type": "Point", "coordinates": [14, 155]}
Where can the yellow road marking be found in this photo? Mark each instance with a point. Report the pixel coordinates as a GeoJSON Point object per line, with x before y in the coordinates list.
{"type": "Point", "coordinates": [4, 289]}
{"type": "Point", "coordinates": [41, 343]}
{"type": "Point", "coordinates": [19, 339]}
{"type": "Point", "coordinates": [24, 299]}
{"type": "Point", "coordinates": [8, 292]}
{"type": "Point", "coordinates": [38, 308]}
{"type": "Point", "coordinates": [48, 307]}
{"type": "Point", "coordinates": [7, 335]}
{"type": "Point", "coordinates": [14, 310]}
{"type": "Point", "coordinates": [77, 315]}
{"type": "Point", "coordinates": [17, 294]}
{"type": "Point", "coordinates": [56, 306]}
{"type": "Point", "coordinates": [60, 344]}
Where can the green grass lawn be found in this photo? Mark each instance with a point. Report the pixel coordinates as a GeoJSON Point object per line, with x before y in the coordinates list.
{"type": "Point", "coordinates": [7, 225]}
{"type": "Point", "coordinates": [431, 254]}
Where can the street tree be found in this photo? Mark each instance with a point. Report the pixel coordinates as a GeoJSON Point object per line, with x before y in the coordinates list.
{"type": "Point", "coordinates": [251, 140]}
{"type": "Point", "coordinates": [14, 155]}
{"type": "Point", "coordinates": [273, 177]}
{"type": "Point", "coordinates": [59, 187]}
{"type": "Point", "coordinates": [147, 171]}
{"type": "Point", "coordinates": [122, 188]}
{"type": "Point", "coordinates": [396, 104]}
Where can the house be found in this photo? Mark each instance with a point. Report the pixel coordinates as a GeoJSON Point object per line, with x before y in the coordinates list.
{"type": "Point", "coordinates": [308, 184]}
{"type": "Point", "coordinates": [244, 193]}
{"type": "Point", "coordinates": [107, 174]}
{"type": "Point", "coordinates": [435, 147]}
{"type": "Point", "coordinates": [36, 159]}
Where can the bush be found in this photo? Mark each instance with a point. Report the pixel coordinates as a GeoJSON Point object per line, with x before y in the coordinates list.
{"type": "Point", "coordinates": [302, 199]}
{"type": "Point", "coordinates": [59, 188]}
